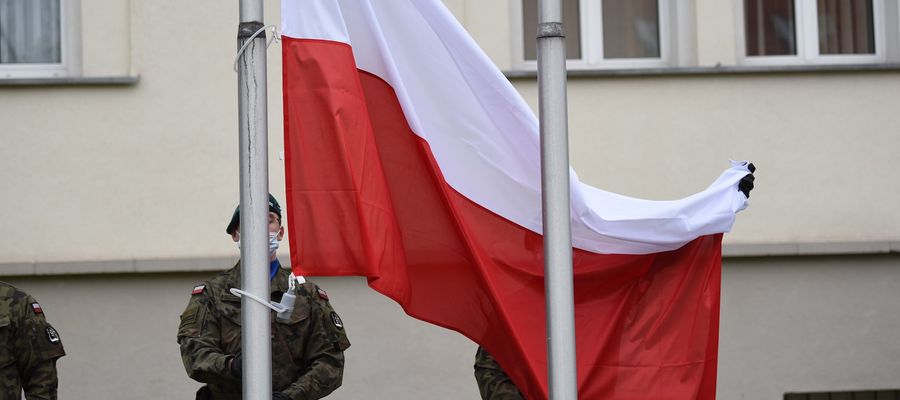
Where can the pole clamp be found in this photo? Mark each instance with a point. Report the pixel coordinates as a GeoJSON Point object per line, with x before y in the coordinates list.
{"type": "Point", "coordinates": [247, 29]}
{"type": "Point", "coordinates": [276, 36]}
{"type": "Point", "coordinates": [550, 29]}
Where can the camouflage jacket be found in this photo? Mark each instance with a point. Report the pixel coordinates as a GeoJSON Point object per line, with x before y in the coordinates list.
{"type": "Point", "coordinates": [307, 350]}
{"type": "Point", "coordinates": [29, 347]}
{"type": "Point", "coordinates": [493, 383]}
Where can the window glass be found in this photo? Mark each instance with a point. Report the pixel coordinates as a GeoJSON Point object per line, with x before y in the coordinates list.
{"type": "Point", "coordinates": [30, 32]}
{"type": "Point", "coordinates": [846, 27]}
{"type": "Point", "coordinates": [770, 27]}
{"type": "Point", "coordinates": [630, 29]}
{"type": "Point", "coordinates": [572, 25]}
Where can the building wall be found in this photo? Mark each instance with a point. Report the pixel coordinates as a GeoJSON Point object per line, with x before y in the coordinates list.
{"type": "Point", "coordinates": [788, 324]}
{"type": "Point", "coordinates": [822, 157]}
{"type": "Point", "coordinates": [119, 334]}
{"type": "Point", "coordinates": [808, 324]}
{"type": "Point", "coordinates": [114, 200]}
{"type": "Point", "coordinates": [149, 170]}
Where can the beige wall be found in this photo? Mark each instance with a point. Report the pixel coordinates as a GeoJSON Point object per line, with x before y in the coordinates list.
{"type": "Point", "coordinates": [132, 172]}
{"type": "Point", "coordinates": [787, 325]}
{"type": "Point", "coordinates": [119, 334]}
{"type": "Point", "coordinates": [808, 324]}
{"type": "Point", "coordinates": [149, 171]}
{"type": "Point", "coordinates": [823, 159]}
{"type": "Point", "coordinates": [125, 177]}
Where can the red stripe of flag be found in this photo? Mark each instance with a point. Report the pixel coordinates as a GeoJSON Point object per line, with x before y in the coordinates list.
{"type": "Point", "coordinates": [367, 198]}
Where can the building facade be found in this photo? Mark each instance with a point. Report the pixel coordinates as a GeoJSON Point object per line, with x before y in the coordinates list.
{"type": "Point", "coordinates": [118, 141]}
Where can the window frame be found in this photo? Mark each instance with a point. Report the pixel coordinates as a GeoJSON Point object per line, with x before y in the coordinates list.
{"type": "Point", "coordinates": [591, 21]}
{"type": "Point", "coordinates": [807, 37]}
{"type": "Point", "coordinates": [70, 49]}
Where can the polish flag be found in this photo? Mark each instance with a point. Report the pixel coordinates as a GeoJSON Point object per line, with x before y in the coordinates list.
{"type": "Point", "coordinates": [412, 160]}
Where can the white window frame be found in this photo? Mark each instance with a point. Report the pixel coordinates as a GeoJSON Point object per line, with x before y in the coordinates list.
{"type": "Point", "coordinates": [591, 21]}
{"type": "Point", "coordinates": [70, 49]}
{"type": "Point", "coordinates": [807, 37]}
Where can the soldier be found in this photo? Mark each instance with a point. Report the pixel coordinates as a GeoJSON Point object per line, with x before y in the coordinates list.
{"type": "Point", "coordinates": [307, 348]}
{"type": "Point", "coordinates": [493, 383]}
{"type": "Point", "coordinates": [30, 347]}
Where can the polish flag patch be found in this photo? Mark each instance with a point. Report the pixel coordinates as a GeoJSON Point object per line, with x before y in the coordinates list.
{"type": "Point", "coordinates": [198, 289]}
{"type": "Point", "coordinates": [37, 308]}
{"type": "Point", "coordinates": [322, 294]}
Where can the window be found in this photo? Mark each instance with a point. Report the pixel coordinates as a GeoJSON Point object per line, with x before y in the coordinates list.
{"type": "Point", "coordinates": [601, 33]}
{"type": "Point", "coordinates": [34, 39]}
{"type": "Point", "coordinates": [812, 31]}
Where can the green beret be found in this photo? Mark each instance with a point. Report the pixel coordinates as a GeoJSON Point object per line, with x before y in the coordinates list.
{"type": "Point", "coordinates": [236, 217]}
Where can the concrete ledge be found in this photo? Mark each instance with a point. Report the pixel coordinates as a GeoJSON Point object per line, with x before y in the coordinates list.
{"type": "Point", "coordinates": [223, 263]}
{"type": "Point", "coordinates": [713, 70]}
{"type": "Point", "coordinates": [757, 250]}
{"type": "Point", "coordinates": [119, 266]}
{"type": "Point", "coordinates": [199, 264]}
{"type": "Point", "coordinates": [16, 269]}
{"type": "Point", "coordinates": [809, 249]}
{"type": "Point", "coordinates": [73, 81]}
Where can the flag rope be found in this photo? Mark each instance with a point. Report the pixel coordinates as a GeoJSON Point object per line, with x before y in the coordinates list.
{"type": "Point", "coordinates": [277, 307]}
{"type": "Point", "coordinates": [276, 37]}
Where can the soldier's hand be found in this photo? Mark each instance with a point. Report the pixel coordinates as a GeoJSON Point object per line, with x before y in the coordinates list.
{"type": "Point", "coordinates": [746, 183]}
{"type": "Point", "coordinates": [280, 396]}
{"type": "Point", "coordinates": [235, 367]}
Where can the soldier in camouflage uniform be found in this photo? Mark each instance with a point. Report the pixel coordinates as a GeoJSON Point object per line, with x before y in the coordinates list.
{"type": "Point", "coordinates": [307, 350]}
{"type": "Point", "coordinates": [30, 347]}
{"type": "Point", "coordinates": [493, 383]}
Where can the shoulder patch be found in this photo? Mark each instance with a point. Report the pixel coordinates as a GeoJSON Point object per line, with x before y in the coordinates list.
{"type": "Point", "coordinates": [37, 308]}
{"type": "Point", "coordinates": [336, 320]}
{"type": "Point", "coordinates": [52, 335]}
{"type": "Point", "coordinates": [198, 289]}
{"type": "Point", "coordinates": [322, 294]}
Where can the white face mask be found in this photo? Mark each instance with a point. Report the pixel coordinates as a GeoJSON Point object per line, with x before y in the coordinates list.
{"type": "Point", "coordinates": [273, 243]}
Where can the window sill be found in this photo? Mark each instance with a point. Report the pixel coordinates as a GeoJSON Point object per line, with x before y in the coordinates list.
{"type": "Point", "coordinates": [715, 70]}
{"type": "Point", "coordinates": [73, 81]}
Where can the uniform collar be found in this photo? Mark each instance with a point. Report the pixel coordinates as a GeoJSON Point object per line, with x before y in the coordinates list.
{"type": "Point", "coordinates": [279, 283]}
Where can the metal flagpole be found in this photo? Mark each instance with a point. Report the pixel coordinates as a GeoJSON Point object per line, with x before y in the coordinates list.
{"type": "Point", "coordinates": [255, 318]}
{"type": "Point", "coordinates": [551, 51]}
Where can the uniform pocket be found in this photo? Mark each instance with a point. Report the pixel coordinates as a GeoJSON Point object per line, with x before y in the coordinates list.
{"type": "Point", "coordinates": [229, 306]}
{"type": "Point", "coordinates": [301, 311]}
{"type": "Point", "coordinates": [192, 320]}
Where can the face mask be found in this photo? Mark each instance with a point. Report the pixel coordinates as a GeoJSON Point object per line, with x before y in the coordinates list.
{"type": "Point", "coordinates": [273, 243]}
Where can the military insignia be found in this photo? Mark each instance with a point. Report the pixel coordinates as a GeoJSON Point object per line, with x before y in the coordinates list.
{"type": "Point", "coordinates": [337, 320]}
{"type": "Point", "coordinates": [198, 289]}
{"type": "Point", "coordinates": [322, 294]}
{"type": "Point", "coordinates": [52, 335]}
{"type": "Point", "coordinates": [37, 308]}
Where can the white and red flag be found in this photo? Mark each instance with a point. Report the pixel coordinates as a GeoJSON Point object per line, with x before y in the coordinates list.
{"type": "Point", "coordinates": [412, 160]}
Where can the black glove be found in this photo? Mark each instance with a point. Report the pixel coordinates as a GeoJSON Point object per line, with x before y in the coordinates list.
{"type": "Point", "coordinates": [203, 394]}
{"type": "Point", "coordinates": [280, 396]}
{"type": "Point", "coordinates": [235, 368]}
{"type": "Point", "coordinates": [746, 183]}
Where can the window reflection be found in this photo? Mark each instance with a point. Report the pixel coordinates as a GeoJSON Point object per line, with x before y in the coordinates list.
{"type": "Point", "coordinates": [846, 27]}
{"type": "Point", "coordinates": [29, 31]}
{"type": "Point", "coordinates": [631, 29]}
{"type": "Point", "coordinates": [770, 27]}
